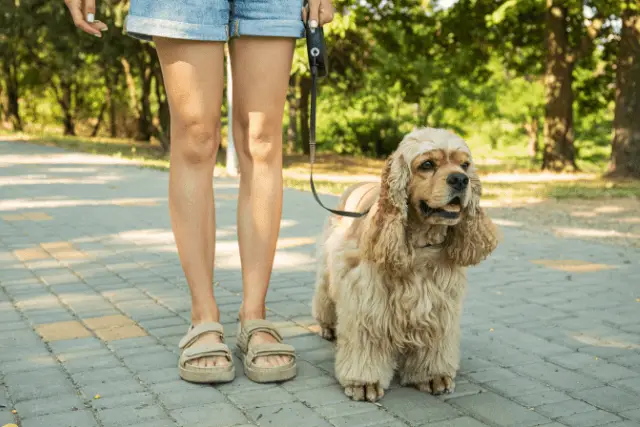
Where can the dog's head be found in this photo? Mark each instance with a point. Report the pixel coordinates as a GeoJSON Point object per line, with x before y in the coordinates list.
{"type": "Point", "coordinates": [431, 179]}
{"type": "Point", "coordinates": [442, 181]}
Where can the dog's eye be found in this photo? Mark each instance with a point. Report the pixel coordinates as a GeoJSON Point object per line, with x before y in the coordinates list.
{"type": "Point", "coordinates": [427, 165]}
{"type": "Point", "coordinates": [465, 165]}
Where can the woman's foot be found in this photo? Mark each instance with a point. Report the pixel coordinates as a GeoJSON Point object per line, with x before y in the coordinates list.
{"type": "Point", "coordinates": [258, 338]}
{"type": "Point", "coordinates": [204, 357]}
{"type": "Point", "coordinates": [207, 362]}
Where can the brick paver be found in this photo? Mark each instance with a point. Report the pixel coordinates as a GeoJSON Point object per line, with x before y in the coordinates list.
{"type": "Point", "coordinates": [93, 303]}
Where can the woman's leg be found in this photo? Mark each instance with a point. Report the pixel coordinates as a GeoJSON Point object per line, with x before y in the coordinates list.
{"type": "Point", "coordinates": [193, 74]}
{"type": "Point", "coordinates": [261, 68]}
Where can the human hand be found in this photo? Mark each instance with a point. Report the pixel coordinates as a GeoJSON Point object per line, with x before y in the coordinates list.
{"type": "Point", "coordinates": [318, 12]}
{"type": "Point", "coordinates": [83, 13]}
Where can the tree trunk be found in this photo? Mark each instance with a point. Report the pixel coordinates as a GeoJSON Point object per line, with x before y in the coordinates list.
{"type": "Point", "coordinates": [66, 104]}
{"type": "Point", "coordinates": [305, 92]}
{"type": "Point", "coordinates": [131, 87]}
{"type": "Point", "coordinates": [531, 127]}
{"type": "Point", "coordinates": [110, 85]}
{"type": "Point", "coordinates": [625, 150]}
{"type": "Point", "coordinates": [163, 111]}
{"type": "Point", "coordinates": [559, 151]}
{"type": "Point", "coordinates": [145, 120]}
{"type": "Point", "coordinates": [96, 128]}
{"type": "Point", "coordinates": [13, 95]}
{"type": "Point", "coordinates": [292, 131]}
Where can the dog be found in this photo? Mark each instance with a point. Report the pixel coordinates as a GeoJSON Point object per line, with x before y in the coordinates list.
{"type": "Point", "coordinates": [389, 285]}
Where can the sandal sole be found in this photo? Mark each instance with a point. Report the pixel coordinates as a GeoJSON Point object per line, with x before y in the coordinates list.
{"type": "Point", "coordinates": [208, 377]}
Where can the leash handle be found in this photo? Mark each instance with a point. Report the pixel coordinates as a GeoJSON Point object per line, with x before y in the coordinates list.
{"type": "Point", "coordinates": [318, 62]}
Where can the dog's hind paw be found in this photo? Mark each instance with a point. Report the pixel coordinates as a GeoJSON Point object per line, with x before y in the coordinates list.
{"type": "Point", "coordinates": [439, 384]}
{"type": "Point", "coordinates": [328, 333]}
{"type": "Point", "coordinates": [369, 391]}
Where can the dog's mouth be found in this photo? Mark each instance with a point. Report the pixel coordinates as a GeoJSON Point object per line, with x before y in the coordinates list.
{"type": "Point", "coordinates": [450, 211]}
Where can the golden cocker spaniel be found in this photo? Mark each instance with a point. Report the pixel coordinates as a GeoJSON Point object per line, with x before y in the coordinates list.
{"type": "Point", "coordinates": [390, 285]}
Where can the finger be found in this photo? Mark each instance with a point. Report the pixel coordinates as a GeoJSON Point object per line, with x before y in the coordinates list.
{"type": "Point", "coordinates": [326, 14]}
{"type": "Point", "coordinates": [304, 14]}
{"type": "Point", "coordinates": [99, 25]}
{"type": "Point", "coordinates": [78, 18]}
{"type": "Point", "coordinates": [90, 10]}
{"type": "Point", "coordinates": [314, 6]}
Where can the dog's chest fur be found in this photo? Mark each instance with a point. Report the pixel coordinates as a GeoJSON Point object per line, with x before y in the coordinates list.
{"type": "Point", "coordinates": [425, 306]}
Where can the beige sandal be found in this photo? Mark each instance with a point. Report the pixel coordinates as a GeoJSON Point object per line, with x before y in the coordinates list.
{"type": "Point", "coordinates": [261, 374]}
{"type": "Point", "coordinates": [211, 374]}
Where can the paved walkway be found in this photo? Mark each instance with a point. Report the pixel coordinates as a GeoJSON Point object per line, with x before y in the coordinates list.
{"type": "Point", "coordinates": [93, 303]}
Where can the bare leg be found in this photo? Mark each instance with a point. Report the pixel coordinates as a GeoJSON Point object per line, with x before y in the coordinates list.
{"type": "Point", "coordinates": [193, 76]}
{"type": "Point", "coordinates": [261, 68]}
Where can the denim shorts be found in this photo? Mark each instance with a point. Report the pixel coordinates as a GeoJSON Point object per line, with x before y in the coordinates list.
{"type": "Point", "coordinates": [214, 20]}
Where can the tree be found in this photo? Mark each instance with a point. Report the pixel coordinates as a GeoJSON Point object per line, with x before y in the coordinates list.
{"type": "Point", "coordinates": [625, 147]}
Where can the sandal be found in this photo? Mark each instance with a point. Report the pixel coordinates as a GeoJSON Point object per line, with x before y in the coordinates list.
{"type": "Point", "coordinates": [261, 374]}
{"type": "Point", "coordinates": [211, 374]}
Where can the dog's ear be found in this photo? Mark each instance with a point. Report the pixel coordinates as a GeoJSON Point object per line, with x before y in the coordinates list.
{"type": "Point", "coordinates": [475, 236]}
{"type": "Point", "coordinates": [385, 240]}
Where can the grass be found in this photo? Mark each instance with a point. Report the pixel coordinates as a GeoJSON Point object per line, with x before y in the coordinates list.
{"type": "Point", "coordinates": [507, 174]}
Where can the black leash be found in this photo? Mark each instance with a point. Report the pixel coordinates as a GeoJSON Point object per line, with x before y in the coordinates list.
{"type": "Point", "coordinates": [319, 67]}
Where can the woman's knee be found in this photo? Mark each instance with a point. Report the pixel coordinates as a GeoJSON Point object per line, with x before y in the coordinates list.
{"type": "Point", "coordinates": [262, 141]}
{"type": "Point", "coordinates": [198, 139]}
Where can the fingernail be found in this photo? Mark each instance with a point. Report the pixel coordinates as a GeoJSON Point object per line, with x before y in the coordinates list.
{"type": "Point", "coordinates": [104, 29]}
{"type": "Point", "coordinates": [313, 23]}
{"type": "Point", "coordinates": [90, 17]}
{"type": "Point", "coordinates": [98, 35]}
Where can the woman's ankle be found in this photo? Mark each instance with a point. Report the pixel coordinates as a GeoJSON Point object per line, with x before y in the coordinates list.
{"type": "Point", "coordinates": [252, 314]}
{"type": "Point", "coordinates": [204, 315]}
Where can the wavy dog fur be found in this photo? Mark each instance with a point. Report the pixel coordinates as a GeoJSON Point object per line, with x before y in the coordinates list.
{"type": "Point", "coordinates": [390, 285]}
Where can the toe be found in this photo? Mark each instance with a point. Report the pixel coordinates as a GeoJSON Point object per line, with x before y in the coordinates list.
{"type": "Point", "coordinates": [371, 392]}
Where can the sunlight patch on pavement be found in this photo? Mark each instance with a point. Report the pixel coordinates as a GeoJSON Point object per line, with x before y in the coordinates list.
{"type": "Point", "coordinates": [573, 266]}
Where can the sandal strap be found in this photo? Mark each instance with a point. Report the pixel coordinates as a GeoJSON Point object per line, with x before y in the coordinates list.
{"type": "Point", "coordinates": [203, 328]}
{"type": "Point", "coordinates": [250, 327]}
{"type": "Point", "coordinates": [270, 349]}
{"type": "Point", "coordinates": [210, 350]}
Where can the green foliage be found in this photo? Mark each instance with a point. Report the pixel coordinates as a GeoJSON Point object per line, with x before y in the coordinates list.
{"type": "Point", "coordinates": [475, 67]}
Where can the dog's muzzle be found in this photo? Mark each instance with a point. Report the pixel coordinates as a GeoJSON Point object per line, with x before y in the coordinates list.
{"type": "Point", "coordinates": [449, 211]}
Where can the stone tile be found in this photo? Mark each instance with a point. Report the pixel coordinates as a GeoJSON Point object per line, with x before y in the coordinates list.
{"type": "Point", "coordinates": [322, 396]}
{"type": "Point", "coordinates": [101, 376]}
{"type": "Point", "coordinates": [38, 384]}
{"type": "Point", "coordinates": [498, 410]}
{"type": "Point", "coordinates": [557, 376]}
{"type": "Point", "coordinates": [257, 399]}
{"type": "Point", "coordinates": [344, 408]}
{"type": "Point", "coordinates": [62, 331]}
{"type": "Point", "coordinates": [129, 415]}
{"type": "Point", "coordinates": [541, 398]}
{"type": "Point", "coordinates": [459, 422]}
{"type": "Point", "coordinates": [374, 417]}
{"type": "Point", "coordinates": [81, 418]}
{"type": "Point", "coordinates": [112, 388]}
{"type": "Point", "coordinates": [121, 400]}
{"type": "Point", "coordinates": [201, 415]}
{"type": "Point", "coordinates": [289, 415]}
{"type": "Point", "coordinates": [417, 407]}
{"type": "Point", "coordinates": [609, 398]}
{"type": "Point", "coordinates": [564, 409]}
{"type": "Point", "coordinates": [589, 419]}
{"type": "Point", "coordinates": [50, 405]}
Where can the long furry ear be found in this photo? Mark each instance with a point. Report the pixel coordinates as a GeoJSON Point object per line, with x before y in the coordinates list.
{"type": "Point", "coordinates": [475, 237]}
{"type": "Point", "coordinates": [385, 240]}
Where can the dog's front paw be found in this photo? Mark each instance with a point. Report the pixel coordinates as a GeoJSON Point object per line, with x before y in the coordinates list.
{"type": "Point", "coordinates": [328, 334]}
{"type": "Point", "coordinates": [438, 384]}
{"type": "Point", "coordinates": [364, 391]}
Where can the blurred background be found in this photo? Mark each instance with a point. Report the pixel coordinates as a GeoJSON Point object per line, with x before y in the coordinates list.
{"type": "Point", "coordinates": [533, 85]}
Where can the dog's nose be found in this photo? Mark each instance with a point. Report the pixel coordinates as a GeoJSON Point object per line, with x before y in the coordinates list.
{"type": "Point", "coordinates": [458, 181]}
